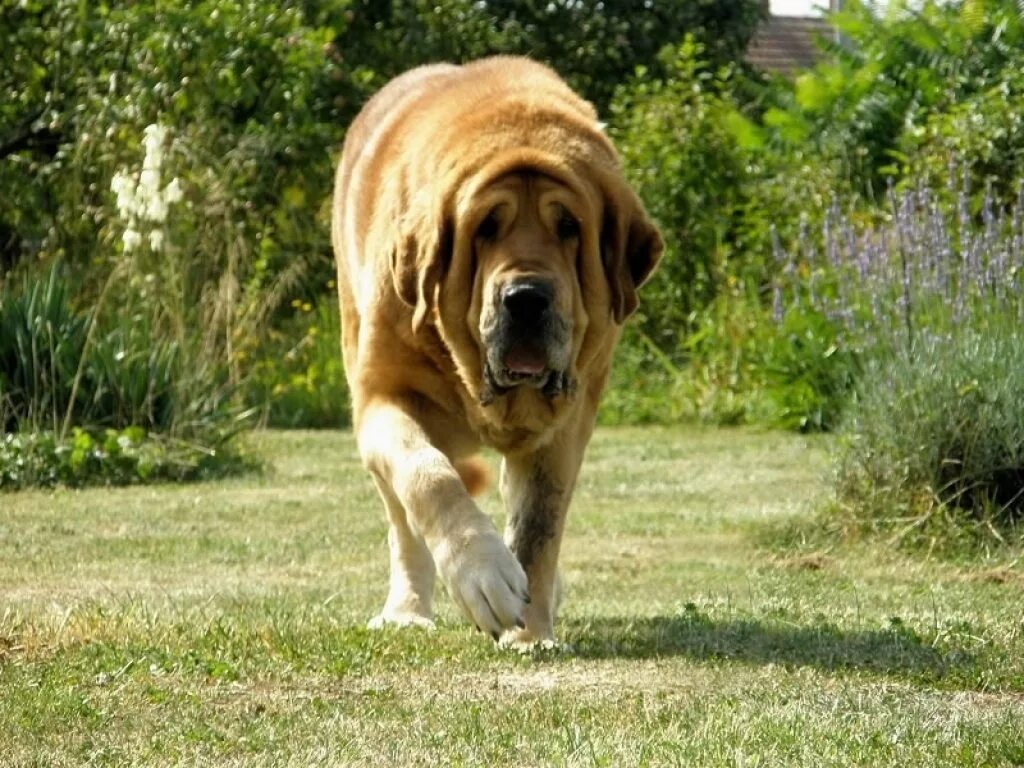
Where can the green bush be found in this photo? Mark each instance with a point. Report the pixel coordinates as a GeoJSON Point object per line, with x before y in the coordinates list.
{"type": "Point", "coordinates": [724, 378]}
{"type": "Point", "coordinates": [41, 347]}
{"type": "Point", "coordinates": [72, 382]}
{"type": "Point", "coordinates": [182, 183]}
{"type": "Point", "coordinates": [299, 381]}
{"type": "Point", "coordinates": [745, 367]}
{"type": "Point", "coordinates": [809, 372]}
{"type": "Point", "coordinates": [592, 43]}
{"type": "Point", "coordinates": [934, 445]}
{"type": "Point", "coordinates": [678, 137]}
{"type": "Point", "coordinates": [724, 164]}
{"type": "Point", "coordinates": [236, 108]}
{"type": "Point", "coordinates": [985, 131]}
{"type": "Point", "coordinates": [904, 81]}
{"type": "Point", "coordinates": [246, 86]}
{"type": "Point", "coordinates": [929, 305]}
{"type": "Point", "coordinates": [60, 368]}
{"type": "Point", "coordinates": [108, 457]}
{"type": "Point", "coordinates": [645, 386]}
{"type": "Point", "coordinates": [720, 192]}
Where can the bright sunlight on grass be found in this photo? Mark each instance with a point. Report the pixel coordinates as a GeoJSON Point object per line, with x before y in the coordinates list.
{"type": "Point", "coordinates": [223, 624]}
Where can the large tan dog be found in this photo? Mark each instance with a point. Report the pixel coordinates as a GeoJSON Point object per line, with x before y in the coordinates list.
{"type": "Point", "coordinates": [488, 251]}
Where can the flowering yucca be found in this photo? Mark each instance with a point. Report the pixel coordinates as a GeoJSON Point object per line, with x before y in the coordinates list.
{"type": "Point", "coordinates": [141, 201]}
{"type": "Point", "coordinates": [931, 304]}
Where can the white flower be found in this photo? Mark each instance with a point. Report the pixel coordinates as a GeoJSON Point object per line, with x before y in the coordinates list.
{"type": "Point", "coordinates": [131, 239]}
{"type": "Point", "coordinates": [172, 192]}
{"type": "Point", "coordinates": [156, 209]}
{"type": "Point", "coordinates": [142, 200]}
{"type": "Point", "coordinates": [120, 183]}
{"type": "Point", "coordinates": [155, 135]}
{"type": "Point", "coordinates": [123, 185]}
{"type": "Point", "coordinates": [149, 182]}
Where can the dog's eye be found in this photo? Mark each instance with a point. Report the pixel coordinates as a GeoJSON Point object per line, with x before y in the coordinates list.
{"type": "Point", "coordinates": [488, 229]}
{"type": "Point", "coordinates": [568, 227]}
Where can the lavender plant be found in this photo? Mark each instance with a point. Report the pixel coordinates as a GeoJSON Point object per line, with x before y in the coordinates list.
{"type": "Point", "coordinates": [929, 301]}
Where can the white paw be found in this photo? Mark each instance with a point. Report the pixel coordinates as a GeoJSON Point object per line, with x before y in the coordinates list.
{"type": "Point", "coordinates": [485, 580]}
{"type": "Point", "coordinates": [525, 643]}
{"type": "Point", "coordinates": [400, 619]}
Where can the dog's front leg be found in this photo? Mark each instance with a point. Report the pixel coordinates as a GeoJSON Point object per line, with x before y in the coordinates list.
{"type": "Point", "coordinates": [537, 488]}
{"type": "Point", "coordinates": [411, 576]}
{"type": "Point", "coordinates": [481, 574]}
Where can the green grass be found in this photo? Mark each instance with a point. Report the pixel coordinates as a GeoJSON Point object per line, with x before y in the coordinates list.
{"type": "Point", "coordinates": [223, 624]}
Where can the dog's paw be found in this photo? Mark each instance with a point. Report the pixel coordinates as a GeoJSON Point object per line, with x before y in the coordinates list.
{"type": "Point", "coordinates": [486, 581]}
{"type": "Point", "coordinates": [388, 618]}
{"type": "Point", "coordinates": [526, 643]}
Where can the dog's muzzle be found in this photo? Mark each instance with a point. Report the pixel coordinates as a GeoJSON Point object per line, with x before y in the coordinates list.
{"type": "Point", "coordinates": [527, 343]}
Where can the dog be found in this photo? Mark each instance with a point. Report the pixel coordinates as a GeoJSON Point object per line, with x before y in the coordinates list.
{"type": "Point", "coordinates": [488, 250]}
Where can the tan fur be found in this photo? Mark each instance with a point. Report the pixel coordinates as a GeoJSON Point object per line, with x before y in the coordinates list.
{"type": "Point", "coordinates": [429, 157]}
{"type": "Point", "coordinates": [474, 474]}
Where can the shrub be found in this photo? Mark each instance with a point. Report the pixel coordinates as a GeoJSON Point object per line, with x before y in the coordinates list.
{"type": "Point", "coordinates": [40, 352]}
{"type": "Point", "coordinates": [930, 303]}
{"type": "Point", "coordinates": [678, 144]}
{"type": "Point", "coordinates": [248, 86]}
{"type": "Point", "coordinates": [934, 445]}
{"type": "Point", "coordinates": [243, 103]}
{"type": "Point", "coordinates": [745, 366]}
{"type": "Point", "coordinates": [902, 83]}
{"type": "Point", "coordinates": [108, 457]}
{"type": "Point", "coordinates": [808, 372]}
{"type": "Point", "coordinates": [645, 386]}
{"type": "Point", "coordinates": [592, 43]}
{"type": "Point", "coordinates": [985, 130]}
{"type": "Point", "coordinates": [298, 380]}
{"type": "Point", "coordinates": [724, 379]}
{"type": "Point", "coordinates": [691, 144]}
{"type": "Point", "coordinates": [84, 396]}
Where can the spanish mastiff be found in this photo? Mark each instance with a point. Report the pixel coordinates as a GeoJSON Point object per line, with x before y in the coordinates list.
{"type": "Point", "coordinates": [488, 252]}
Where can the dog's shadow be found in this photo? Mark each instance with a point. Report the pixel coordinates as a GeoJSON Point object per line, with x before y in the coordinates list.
{"type": "Point", "coordinates": [896, 650]}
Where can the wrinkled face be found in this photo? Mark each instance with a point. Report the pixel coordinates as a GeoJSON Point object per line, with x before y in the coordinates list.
{"type": "Point", "coordinates": [526, 244]}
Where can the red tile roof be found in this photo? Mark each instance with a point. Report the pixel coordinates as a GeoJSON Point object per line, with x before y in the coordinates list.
{"type": "Point", "coordinates": [787, 43]}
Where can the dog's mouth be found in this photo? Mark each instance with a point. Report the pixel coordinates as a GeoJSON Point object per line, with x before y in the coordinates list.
{"type": "Point", "coordinates": [522, 365]}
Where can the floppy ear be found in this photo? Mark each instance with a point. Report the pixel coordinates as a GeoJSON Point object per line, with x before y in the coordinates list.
{"type": "Point", "coordinates": [631, 248]}
{"type": "Point", "coordinates": [420, 257]}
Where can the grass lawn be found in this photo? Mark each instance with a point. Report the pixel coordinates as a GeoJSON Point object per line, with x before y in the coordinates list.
{"type": "Point", "coordinates": [223, 624]}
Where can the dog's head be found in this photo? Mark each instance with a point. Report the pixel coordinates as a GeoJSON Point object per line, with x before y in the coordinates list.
{"type": "Point", "coordinates": [526, 261]}
{"type": "Point", "coordinates": [526, 237]}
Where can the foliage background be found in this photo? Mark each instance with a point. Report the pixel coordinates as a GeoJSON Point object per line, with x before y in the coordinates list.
{"type": "Point", "coordinates": [219, 313]}
{"type": "Point", "coordinates": [255, 96]}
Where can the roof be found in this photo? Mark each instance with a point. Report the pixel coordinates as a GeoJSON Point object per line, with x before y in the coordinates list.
{"type": "Point", "coordinates": [787, 43]}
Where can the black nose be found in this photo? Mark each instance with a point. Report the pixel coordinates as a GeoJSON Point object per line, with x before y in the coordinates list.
{"type": "Point", "coordinates": [527, 299]}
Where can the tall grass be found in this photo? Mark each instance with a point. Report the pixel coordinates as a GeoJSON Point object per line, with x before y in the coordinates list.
{"type": "Point", "coordinates": [87, 397]}
{"type": "Point", "coordinates": [297, 380]}
{"type": "Point", "coordinates": [61, 367]}
{"type": "Point", "coordinates": [930, 302]}
{"type": "Point", "coordinates": [41, 345]}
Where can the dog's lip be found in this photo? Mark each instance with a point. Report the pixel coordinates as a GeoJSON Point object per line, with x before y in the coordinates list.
{"type": "Point", "coordinates": [511, 378]}
{"type": "Point", "coordinates": [500, 382]}
{"type": "Point", "coordinates": [504, 378]}
{"type": "Point", "coordinates": [514, 377]}
{"type": "Point", "coordinates": [522, 361]}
